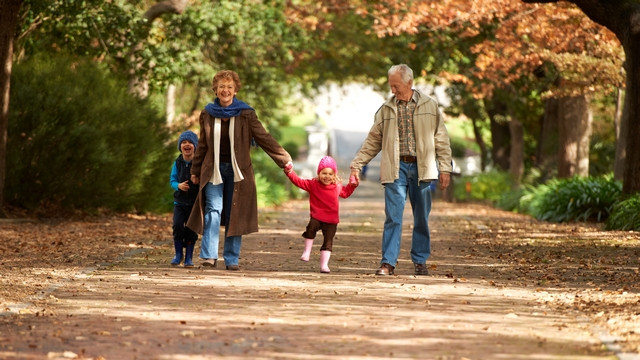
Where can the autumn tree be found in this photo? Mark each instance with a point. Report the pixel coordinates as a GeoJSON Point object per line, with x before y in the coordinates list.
{"type": "Point", "coordinates": [586, 58]}
{"type": "Point", "coordinates": [622, 17]}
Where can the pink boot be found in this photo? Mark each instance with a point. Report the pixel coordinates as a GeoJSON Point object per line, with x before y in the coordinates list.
{"type": "Point", "coordinates": [308, 243]}
{"type": "Point", "coordinates": [324, 261]}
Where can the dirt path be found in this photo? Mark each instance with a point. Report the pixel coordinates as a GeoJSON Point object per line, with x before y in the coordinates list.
{"type": "Point", "coordinates": [501, 287]}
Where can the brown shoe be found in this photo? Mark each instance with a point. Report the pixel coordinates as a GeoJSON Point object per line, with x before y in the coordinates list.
{"type": "Point", "coordinates": [233, 267]}
{"type": "Point", "coordinates": [421, 269]}
{"type": "Point", "coordinates": [385, 269]}
{"type": "Point", "coordinates": [210, 262]}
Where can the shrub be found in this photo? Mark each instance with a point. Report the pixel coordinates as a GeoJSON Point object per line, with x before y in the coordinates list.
{"type": "Point", "coordinates": [270, 179]}
{"type": "Point", "coordinates": [577, 198]}
{"type": "Point", "coordinates": [78, 141]}
{"type": "Point", "coordinates": [292, 148]}
{"type": "Point", "coordinates": [489, 186]}
{"type": "Point", "coordinates": [625, 215]}
{"type": "Point", "coordinates": [458, 147]}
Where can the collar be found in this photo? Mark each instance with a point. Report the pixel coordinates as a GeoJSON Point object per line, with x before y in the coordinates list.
{"type": "Point", "coordinates": [414, 97]}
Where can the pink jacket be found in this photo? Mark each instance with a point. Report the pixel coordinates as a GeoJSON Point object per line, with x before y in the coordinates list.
{"type": "Point", "coordinates": [323, 199]}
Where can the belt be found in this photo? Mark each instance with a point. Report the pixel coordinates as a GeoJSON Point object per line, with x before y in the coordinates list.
{"type": "Point", "coordinates": [407, 158]}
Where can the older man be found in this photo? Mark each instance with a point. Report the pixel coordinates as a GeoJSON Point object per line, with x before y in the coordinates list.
{"type": "Point", "coordinates": [409, 131]}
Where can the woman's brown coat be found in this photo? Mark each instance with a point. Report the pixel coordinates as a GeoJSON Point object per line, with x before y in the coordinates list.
{"type": "Point", "coordinates": [244, 211]}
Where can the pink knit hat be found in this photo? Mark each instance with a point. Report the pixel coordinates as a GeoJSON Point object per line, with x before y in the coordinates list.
{"type": "Point", "coordinates": [327, 162]}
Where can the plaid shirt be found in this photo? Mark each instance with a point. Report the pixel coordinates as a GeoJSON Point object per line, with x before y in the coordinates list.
{"type": "Point", "coordinates": [405, 125]}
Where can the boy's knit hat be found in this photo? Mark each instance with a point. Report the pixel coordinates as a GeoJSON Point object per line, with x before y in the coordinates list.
{"type": "Point", "coordinates": [189, 136]}
{"type": "Point", "coordinates": [327, 162]}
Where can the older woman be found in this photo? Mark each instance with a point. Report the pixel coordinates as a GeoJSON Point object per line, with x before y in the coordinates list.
{"type": "Point", "coordinates": [222, 168]}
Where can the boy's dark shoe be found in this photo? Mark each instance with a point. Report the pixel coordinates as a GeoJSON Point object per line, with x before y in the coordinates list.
{"type": "Point", "coordinates": [385, 269]}
{"type": "Point", "coordinates": [421, 269]}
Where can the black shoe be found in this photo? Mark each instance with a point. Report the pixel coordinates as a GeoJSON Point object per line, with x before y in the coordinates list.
{"type": "Point", "coordinates": [421, 269]}
{"type": "Point", "coordinates": [385, 269]}
{"type": "Point", "coordinates": [233, 267]}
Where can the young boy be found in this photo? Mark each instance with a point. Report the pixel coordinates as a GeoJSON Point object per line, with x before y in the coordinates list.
{"type": "Point", "coordinates": [183, 198]}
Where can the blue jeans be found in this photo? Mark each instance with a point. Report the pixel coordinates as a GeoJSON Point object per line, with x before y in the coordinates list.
{"type": "Point", "coordinates": [395, 198]}
{"type": "Point", "coordinates": [217, 198]}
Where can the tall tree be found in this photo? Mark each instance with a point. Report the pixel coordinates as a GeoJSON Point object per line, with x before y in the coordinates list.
{"type": "Point", "coordinates": [622, 17]}
{"type": "Point", "coordinates": [8, 21]}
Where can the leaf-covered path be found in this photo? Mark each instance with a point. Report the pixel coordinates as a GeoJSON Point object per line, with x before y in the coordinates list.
{"type": "Point", "coordinates": [502, 286]}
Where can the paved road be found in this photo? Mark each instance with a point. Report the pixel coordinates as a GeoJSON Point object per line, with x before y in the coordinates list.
{"type": "Point", "coordinates": [277, 307]}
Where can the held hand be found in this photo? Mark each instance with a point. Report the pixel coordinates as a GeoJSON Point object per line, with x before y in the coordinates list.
{"type": "Point", "coordinates": [444, 178]}
{"type": "Point", "coordinates": [195, 179]}
{"type": "Point", "coordinates": [184, 186]}
{"type": "Point", "coordinates": [288, 167]}
{"type": "Point", "coordinates": [354, 178]}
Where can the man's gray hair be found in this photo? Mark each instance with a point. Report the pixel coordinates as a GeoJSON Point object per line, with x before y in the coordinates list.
{"type": "Point", "coordinates": [406, 74]}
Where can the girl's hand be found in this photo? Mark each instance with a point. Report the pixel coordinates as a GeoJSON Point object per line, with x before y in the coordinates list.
{"type": "Point", "coordinates": [288, 167]}
{"type": "Point", "coordinates": [354, 180]}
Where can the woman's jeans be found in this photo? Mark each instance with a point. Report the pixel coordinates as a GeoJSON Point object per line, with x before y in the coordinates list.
{"type": "Point", "coordinates": [395, 197]}
{"type": "Point", "coordinates": [216, 198]}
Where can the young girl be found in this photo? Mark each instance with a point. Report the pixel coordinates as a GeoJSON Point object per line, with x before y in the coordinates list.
{"type": "Point", "coordinates": [323, 205]}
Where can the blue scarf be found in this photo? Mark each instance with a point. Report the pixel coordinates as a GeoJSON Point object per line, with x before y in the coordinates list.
{"type": "Point", "coordinates": [214, 109]}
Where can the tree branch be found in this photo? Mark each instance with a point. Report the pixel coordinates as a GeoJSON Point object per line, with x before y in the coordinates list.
{"type": "Point", "coordinates": [163, 7]}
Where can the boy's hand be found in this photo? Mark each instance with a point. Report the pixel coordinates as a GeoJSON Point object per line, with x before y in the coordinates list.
{"type": "Point", "coordinates": [184, 186]}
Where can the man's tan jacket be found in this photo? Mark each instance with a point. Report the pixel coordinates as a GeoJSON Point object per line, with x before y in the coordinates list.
{"type": "Point", "coordinates": [433, 150]}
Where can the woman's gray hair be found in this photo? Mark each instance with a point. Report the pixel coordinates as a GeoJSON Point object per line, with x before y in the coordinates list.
{"type": "Point", "coordinates": [406, 74]}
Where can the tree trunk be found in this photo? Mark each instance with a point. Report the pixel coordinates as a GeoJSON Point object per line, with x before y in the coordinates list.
{"type": "Point", "coordinates": [500, 137]}
{"type": "Point", "coordinates": [574, 133]}
{"type": "Point", "coordinates": [481, 144]}
{"type": "Point", "coordinates": [516, 157]}
{"type": "Point", "coordinates": [547, 152]}
{"type": "Point", "coordinates": [8, 20]}
{"type": "Point", "coordinates": [630, 127]}
{"type": "Point", "coordinates": [170, 106]}
{"type": "Point", "coordinates": [618, 166]}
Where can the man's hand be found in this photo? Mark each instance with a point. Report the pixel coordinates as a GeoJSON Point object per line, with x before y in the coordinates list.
{"type": "Point", "coordinates": [444, 178]}
{"type": "Point", "coordinates": [195, 179]}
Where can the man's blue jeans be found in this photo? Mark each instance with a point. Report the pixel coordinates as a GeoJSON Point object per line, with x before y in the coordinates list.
{"type": "Point", "coordinates": [217, 197]}
{"type": "Point", "coordinates": [395, 197]}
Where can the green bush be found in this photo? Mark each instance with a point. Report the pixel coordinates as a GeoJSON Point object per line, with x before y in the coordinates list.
{"type": "Point", "coordinates": [292, 148]}
{"type": "Point", "coordinates": [510, 200]}
{"type": "Point", "coordinates": [458, 147]}
{"type": "Point", "coordinates": [78, 141]}
{"type": "Point", "coordinates": [577, 198]}
{"type": "Point", "coordinates": [487, 187]}
{"type": "Point", "coordinates": [270, 179]}
{"type": "Point", "coordinates": [625, 215]}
